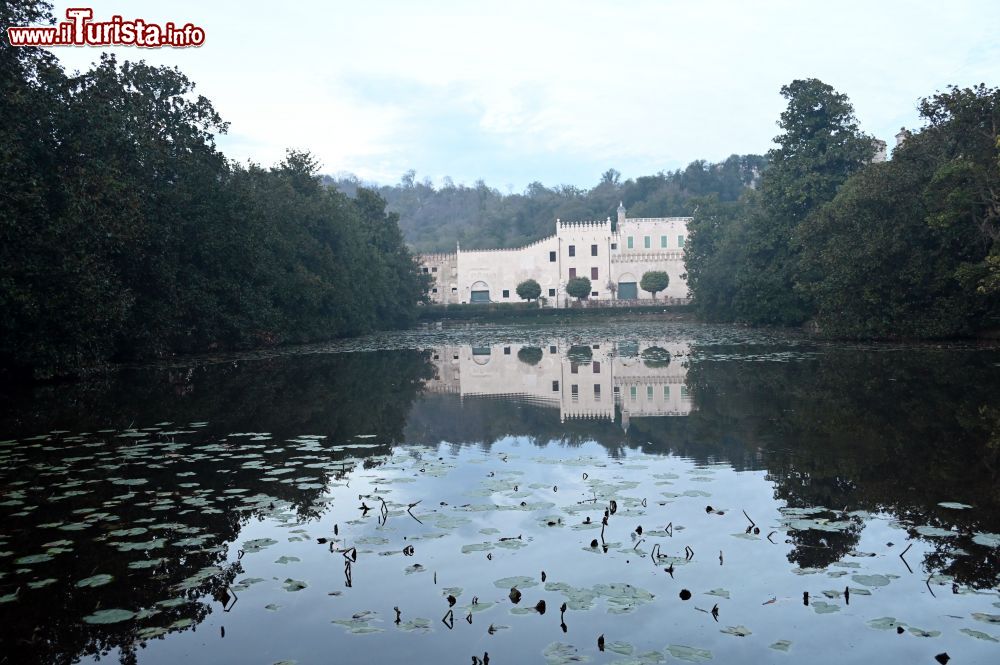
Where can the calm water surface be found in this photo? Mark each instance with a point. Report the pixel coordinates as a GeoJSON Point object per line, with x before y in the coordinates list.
{"type": "Point", "coordinates": [768, 500]}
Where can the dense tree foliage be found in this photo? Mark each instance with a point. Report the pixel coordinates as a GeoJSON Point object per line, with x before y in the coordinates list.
{"type": "Point", "coordinates": [126, 234]}
{"type": "Point", "coordinates": [480, 217]}
{"type": "Point", "coordinates": [578, 287]}
{"type": "Point", "coordinates": [654, 281]}
{"type": "Point", "coordinates": [529, 289]}
{"type": "Point", "coordinates": [906, 248]}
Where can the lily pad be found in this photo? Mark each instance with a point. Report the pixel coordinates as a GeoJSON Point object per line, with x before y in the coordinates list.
{"type": "Point", "coordinates": [96, 580]}
{"type": "Point", "coordinates": [986, 618]}
{"type": "Point", "coordinates": [294, 585]}
{"type": "Point", "coordinates": [109, 616]}
{"type": "Point", "coordinates": [871, 580]}
{"type": "Point", "coordinates": [521, 582]}
{"type": "Point", "coordinates": [558, 653]}
{"type": "Point", "coordinates": [781, 645]}
{"type": "Point", "coordinates": [738, 631]}
{"type": "Point", "coordinates": [689, 654]}
{"type": "Point", "coordinates": [979, 635]}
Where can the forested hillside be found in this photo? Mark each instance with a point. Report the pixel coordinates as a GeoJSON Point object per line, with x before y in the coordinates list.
{"type": "Point", "coordinates": [908, 248]}
{"type": "Point", "coordinates": [125, 234]}
{"type": "Point", "coordinates": [480, 217]}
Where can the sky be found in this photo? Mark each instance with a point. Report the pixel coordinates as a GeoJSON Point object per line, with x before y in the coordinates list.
{"type": "Point", "coordinates": [556, 92]}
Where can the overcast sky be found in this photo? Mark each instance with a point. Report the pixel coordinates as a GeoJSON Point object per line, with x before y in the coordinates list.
{"type": "Point", "coordinates": [513, 92]}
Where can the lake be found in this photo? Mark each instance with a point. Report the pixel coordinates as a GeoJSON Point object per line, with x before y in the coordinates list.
{"type": "Point", "coordinates": [623, 493]}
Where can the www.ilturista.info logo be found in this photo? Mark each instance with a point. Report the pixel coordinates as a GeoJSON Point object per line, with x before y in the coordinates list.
{"type": "Point", "coordinates": [80, 30]}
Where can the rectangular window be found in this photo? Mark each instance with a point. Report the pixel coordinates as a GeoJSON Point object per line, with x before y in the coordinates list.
{"type": "Point", "coordinates": [597, 390]}
{"type": "Point", "coordinates": [424, 269]}
{"type": "Point", "coordinates": [663, 242]}
{"type": "Point", "coordinates": [632, 392]}
{"type": "Point", "coordinates": [593, 273]}
{"type": "Point", "coordinates": [572, 250]}
{"type": "Point", "coordinates": [574, 368]}
{"type": "Point", "coordinates": [645, 242]}
{"type": "Point", "coordinates": [666, 392]}
{"type": "Point", "coordinates": [434, 269]}
{"type": "Point", "coordinates": [684, 392]}
{"type": "Point", "coordinates": [506, 350]}
{"type": "Point", "coordinates": [552, 257]}
{"type": "Point", "coordinates": [572, 273]}
{"type": "Point", "coordinates": [506, 293]}
{"type": "Point", "coordinates": [593, 294]}
{"type": "Point", "coordinates": [596, 367]}
{"type": "Point", "coordinates": [680, 241]}
{"type": "Point", "coordinates": [630, 242]}
{"type": "Point", "coordinates": [574, 390]}
{"type": "Point", "coordinates": [454, 289]}
{"type": "Point", "coordinates": [593, 250]}
{"type": "Point", "coordinates": [434, 290]}
{"type": "Point", "coordinates": [552, 292]}
{"type": "Point", "coordinates": [649, 392]}
{"type": "Point", "coordinates": [555, 386]}
{"type": "Point", "coordinates": [552, 349]}
{"type": "Point", "coordinates": [614, 245]}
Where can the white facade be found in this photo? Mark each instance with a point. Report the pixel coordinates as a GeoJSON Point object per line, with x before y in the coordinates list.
{"type": "Point", "coordinates": [613, 259]}
{"type": "Point", "coordinates": [632, 376]}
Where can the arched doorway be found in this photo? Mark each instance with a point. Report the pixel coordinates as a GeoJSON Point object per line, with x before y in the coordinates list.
{"type": "Point", "coordinates": [480, 293]}
{"type": "Point", "coordinates": [628, 287]}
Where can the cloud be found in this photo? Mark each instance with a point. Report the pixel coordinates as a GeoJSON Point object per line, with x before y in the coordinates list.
{"type": "Point", "coordinates": [556, 91]}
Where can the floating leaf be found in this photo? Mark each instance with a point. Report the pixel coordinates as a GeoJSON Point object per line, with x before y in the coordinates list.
{"type": "Point", "coordinates": [885, 623]}
{"type": "Point", "coordinates": [109, 616]}
{"type": "Point", "coordinates": [558, 653]}
{"type": "Point", "coordinates": [871, 580]}
{"type": "Point", "coordinates": [954, 505]}
{"type": "Point", "coordinates": [258, 544]}
{"type": "Point", "coordinates": [781, 645]}
{"type": "Point", "coordinates": [294, 585]}
{"type": "Point", "coordinates": [738, 631]}
{"type": "Point", "coordinates": [987, 539]}
{"type": "Point", "coordinates": [96, 580]}
{"type": "Point", "coordinates": [721, 593]}
{"type": "Point", "coordinates": [520, 582]}
{"type": "Point", "coordinates": [986, 618]}
{"type": "Point", "coordinates": [287, 559]}
{"type": "Point", "coordinates": [823, 607]}
{"type": "Point", "coordinates": [689, 654]}
{"type": "Point", "coordinates": [978, 635]}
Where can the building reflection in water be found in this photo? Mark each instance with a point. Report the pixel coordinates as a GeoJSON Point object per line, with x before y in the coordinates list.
{"type": "Point", "coordinates": [642, 379]}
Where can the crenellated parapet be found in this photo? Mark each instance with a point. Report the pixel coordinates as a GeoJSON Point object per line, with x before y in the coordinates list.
{"type": "Point", "coordinates": [437, 258]}
{"type": "Point", "coordinates": [509, 249]}
{"type": "Point", "coordinates": [644, 256]}
{"type": "Point", "coordinates": [595, 225]}
{"type": "Point", "coordinates": [653, 220]}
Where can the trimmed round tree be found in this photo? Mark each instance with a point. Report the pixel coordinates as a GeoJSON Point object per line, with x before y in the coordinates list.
{"type": "Point", "coordinates": [529, 289]}
{"type": "Point", "coordinates": [578, 287]}
{"type": "Point", "coordinates": [654, 281]}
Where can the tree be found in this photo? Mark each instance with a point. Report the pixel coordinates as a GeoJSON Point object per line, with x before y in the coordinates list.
{"type": "Point", "coordinates": [578, 287]}
{"type": "Point", "coordinates": [530, 355]}
{"type": "Point", "coordinates": [529, 289]}
{"type": "Point", "coordinates": [820, 147]}
{"type": "Point", "coordinates": [654, 281]}
{"type": "Point", "coordinates": [903, 250]}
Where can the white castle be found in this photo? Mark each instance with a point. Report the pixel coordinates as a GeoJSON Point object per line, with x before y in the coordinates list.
{"type": "Point", "coordinates": [642, 378]}
{"type": "Point", "coordinates": [613, 257]}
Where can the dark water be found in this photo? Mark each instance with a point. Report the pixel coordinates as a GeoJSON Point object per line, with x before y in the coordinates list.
{"type": "Point", "coordinates": [214, 511]}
